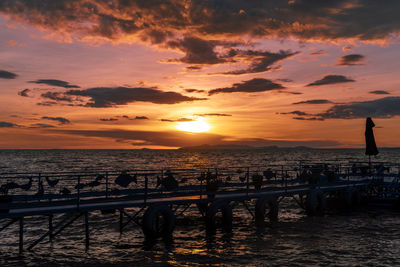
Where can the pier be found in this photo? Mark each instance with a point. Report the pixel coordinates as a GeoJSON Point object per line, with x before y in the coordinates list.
{"type": "Point", "coordinates": [152, 199]}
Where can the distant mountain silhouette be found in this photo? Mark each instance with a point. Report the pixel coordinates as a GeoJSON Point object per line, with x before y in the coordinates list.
{"type": "Point", "coordinates": [238, 147]}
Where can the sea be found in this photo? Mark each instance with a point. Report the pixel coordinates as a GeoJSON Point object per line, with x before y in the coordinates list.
{"type": "Point", "coordinates": [368, 236]}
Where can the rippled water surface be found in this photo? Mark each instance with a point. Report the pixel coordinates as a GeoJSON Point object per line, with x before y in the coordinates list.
{"type": "Point", "coordinates": [366, 237]}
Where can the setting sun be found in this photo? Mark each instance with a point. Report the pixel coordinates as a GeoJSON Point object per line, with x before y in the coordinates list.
{"type": "Point", "coordinates": [198, 125]}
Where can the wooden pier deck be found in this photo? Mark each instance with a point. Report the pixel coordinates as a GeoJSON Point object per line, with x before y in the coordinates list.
{"type": "Point", "coordinates": [213, 191]}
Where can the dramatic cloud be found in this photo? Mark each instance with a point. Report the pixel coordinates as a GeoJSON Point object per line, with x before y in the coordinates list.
{"type": "Point", "coordinates": [60, 120]}
{"type": "Point", "coordinates": [249, 86]}
{"type": "Point", "coordinates": [351, 60]}
{"type": "Point", "coordinates": [380, 108]}
{"type": "Point", "coordinates": [103, 97]}
{"type": "Point", "coordinates": [198, 51]}
{"type": "Point", "coordinates": [183, 139]}
{"type": "Point", "coordinates": [379, 92]}
{"type": "Point", "coordinates": [259, 61]}
{"type": "Point", "coordinates": [213, 115]}
{"type": "Point", "coordinates": [4, 124]}
{"type": "Point", "coordinates": [57, 83]}
{"type": "Point", "coordinates": [6, 74]}
{"type": "Point", "coordinates": [314, 101]}
{"type": "Point", "coordinates": [203, 52]}
{"type": "Point", "coordinates": [331, 79]}
{"type": "Point", "coordinates": [156, 21]}
{"type": "Point", "coordinates": [24, 92]}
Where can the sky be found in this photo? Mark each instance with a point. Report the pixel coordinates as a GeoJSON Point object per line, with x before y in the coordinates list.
{"type": "Point", "coordinates": [126, 74]}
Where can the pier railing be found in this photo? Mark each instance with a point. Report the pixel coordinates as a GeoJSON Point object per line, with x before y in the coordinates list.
{"type": "Point", "coordinates": [87, 186]}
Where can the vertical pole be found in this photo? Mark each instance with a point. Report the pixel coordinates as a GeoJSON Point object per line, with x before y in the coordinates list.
{"type": "Point", "coordinates": [121, 220]}
{"type": "Point", "coordinates": [106, 184]}
{"type": "Point", "coordinates": [79, 190]}
{"type": "Point", "coordinates": [146, 184]}
{"type": "Point", "coordinates": [86, 230]}
{"type": "Point", "coordinates": [21, 235]}
{"type": "Point", "coordinates": [51, 227]}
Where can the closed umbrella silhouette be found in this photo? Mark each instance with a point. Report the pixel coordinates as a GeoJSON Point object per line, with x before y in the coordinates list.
{"type": "Point", "coordinates": [370, 145]}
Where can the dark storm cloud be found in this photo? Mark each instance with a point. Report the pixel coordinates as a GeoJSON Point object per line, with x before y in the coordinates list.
{"type": "Point", "coordinates": [183, 139]}
{"type": "Point", "coordinates": [380, 108]}
{"type": "Point", "coordinates": [213, 115]}
{"type": "Point", "coordinates": [156, 21]}
{"type": "Point", "coordinates": [103, 97]}
{"type": "Point", "coordinates": [379, 92]}
{"type": "Point", "coordinates": [7, 75]}
{"type": "Point", "coordinates": [24, 92]}
{"type": "Point", "coordinates": [249, 86]}
{"type": "Point", "coordinates": [314, 101]}
{"type": "Point", "coordinates": [259, 61]}
{"type": "Point", "coordinates": [351, 60]}
{"type": "Point", "coordinates": [57, 83]}
{"type": "Point", "coordinates": [60, 120]}
{"type": "Point", "coordinates": [194, 91]}
{"type": "Point", "coordinates": [331, 79]}
{"type": "Point", "coordinates": [4, 124]}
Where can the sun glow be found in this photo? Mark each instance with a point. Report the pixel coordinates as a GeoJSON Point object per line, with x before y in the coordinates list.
{"type": "Point", "coordinates": [198, 125]}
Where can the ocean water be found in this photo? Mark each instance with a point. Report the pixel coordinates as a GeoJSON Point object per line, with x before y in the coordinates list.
{"type": "Point", "coordinates": [369, 236]}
